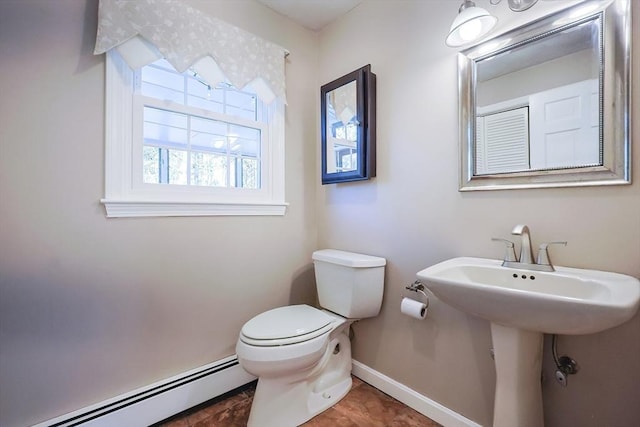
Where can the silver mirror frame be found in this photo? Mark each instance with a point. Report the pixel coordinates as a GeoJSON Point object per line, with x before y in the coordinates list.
{"type": "Point", "coordinates": [615, 73]}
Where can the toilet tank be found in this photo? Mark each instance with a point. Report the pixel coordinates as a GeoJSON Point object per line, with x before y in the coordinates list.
{"type": "Point", "coordinates": [348, 283]}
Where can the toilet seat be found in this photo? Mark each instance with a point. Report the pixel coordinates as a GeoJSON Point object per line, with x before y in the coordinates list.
{"type": "Point", "coordinates": [286, 325]}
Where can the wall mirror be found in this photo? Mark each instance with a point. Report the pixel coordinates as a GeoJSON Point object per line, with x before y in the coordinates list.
{"type": "Point", "coordinates": [348, 131]}
{"type": "Point", "coordinates": [547, 104]}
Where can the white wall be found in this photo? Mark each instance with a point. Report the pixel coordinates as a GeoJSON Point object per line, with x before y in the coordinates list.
{"type": "Point", "coordinates": [558, 72]}
{"type": "Point", "coordinates": [413, 215]}
{"type": "Point", "coordinates": [92, 307]}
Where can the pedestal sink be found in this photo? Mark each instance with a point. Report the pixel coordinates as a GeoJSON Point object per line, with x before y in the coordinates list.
{"type": "Point", "coordinates": [522, 305]}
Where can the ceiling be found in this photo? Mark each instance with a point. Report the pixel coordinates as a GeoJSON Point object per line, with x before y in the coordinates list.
{"type": "Point", "coordinates": [312, 14]}
{"type": "Point", "coordinates": [317, 14]}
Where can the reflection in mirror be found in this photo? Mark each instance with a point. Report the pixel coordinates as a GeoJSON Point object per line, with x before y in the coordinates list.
{"type": "Point", "coordinates": [537, 105]}
{"type": "Point", "coordinates": [546, 105]}
{"type": "Point", "coordinates": [348, 127]}
{"type": "Point", "coordinates": [342, 129]}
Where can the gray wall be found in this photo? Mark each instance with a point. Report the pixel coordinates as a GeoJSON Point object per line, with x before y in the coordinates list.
{"type": "Point", "coordinates": [92, 307]}
{"type": "Point", "coordinates": [413, 215]}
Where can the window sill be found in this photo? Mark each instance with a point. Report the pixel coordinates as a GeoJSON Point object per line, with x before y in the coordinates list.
{"type": "Point", "coordinates": [129, 208]}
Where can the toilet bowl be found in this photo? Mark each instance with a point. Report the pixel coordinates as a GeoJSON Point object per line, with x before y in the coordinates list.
{"type": "Point", "coordinates": [301, 354]}
{"type": "Point", "coordinates": [299, 376]}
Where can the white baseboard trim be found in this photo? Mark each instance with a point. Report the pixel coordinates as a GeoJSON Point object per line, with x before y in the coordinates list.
{"type": "Point", "coordinates": [411, 398]}
{"type": "Point", "coordinates": [161, 400]}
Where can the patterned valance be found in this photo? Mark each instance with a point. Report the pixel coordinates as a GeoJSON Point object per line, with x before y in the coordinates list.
{"type": "Point", "coordinates": [144, 31]}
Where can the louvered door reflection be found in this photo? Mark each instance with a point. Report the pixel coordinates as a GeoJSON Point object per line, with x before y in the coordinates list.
{"type": "Point", "coordinates": [502, 142]}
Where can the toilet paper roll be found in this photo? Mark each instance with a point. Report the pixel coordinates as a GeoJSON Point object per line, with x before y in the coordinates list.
{"type": "Point", "coordinates": [413, 308]}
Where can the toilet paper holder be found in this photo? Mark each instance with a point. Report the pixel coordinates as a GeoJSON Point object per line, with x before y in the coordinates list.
{"type": "Point", "coordinates": [418, 287]}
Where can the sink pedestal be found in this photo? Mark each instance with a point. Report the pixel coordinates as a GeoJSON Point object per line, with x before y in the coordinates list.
{"type": "Point", "coordinates": [518, 360]}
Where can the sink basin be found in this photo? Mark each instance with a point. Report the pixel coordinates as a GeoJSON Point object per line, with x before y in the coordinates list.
{"type": "Point", "coordinates": [567, 301]}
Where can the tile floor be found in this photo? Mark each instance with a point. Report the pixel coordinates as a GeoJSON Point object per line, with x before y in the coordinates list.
{"type": "Point", "coordinates": [363, 406]}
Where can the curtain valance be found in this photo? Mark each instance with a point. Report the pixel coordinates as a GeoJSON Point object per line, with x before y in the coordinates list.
{"type": "Point", "coordinates": [144, 31]}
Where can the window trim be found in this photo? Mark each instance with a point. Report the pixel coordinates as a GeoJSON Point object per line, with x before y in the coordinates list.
{"type": "Point", "coordinates": [123, 198]}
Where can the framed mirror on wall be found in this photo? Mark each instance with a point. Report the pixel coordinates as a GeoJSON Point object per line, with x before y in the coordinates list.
{"type": "Point", "coordinates": [547, 104]}
{"type": "Point", "coordinates": [348, 127]}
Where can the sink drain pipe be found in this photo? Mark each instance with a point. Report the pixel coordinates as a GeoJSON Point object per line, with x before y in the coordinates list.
{"type": "Point", "coordinates": [565, 364]}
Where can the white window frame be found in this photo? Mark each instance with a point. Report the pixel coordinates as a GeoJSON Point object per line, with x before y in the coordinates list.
{"type": "Point", "coordinates": [127, 196]}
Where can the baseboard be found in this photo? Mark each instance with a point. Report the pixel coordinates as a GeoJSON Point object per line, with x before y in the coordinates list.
{"type": "Point", "coordinates": [158, 401]}
{"type": "Point", "coordinates": [411, 398]}
{"type": "Point", "coordinates": [161, 400]}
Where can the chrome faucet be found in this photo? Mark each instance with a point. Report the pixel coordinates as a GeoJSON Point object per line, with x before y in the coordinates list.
{"type": "Point", "coordinates": [526, 253]}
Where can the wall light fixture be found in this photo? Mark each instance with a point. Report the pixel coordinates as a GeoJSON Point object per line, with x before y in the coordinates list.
{"type": "Point", "coordinates": [471, 24]}
{"type": "Point", "coordinates": [517, 5]}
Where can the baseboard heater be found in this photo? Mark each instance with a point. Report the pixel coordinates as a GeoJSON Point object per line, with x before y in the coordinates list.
{"type": "Point", "coordinates": [161, 400]}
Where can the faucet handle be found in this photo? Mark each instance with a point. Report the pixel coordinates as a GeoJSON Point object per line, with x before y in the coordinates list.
{"type": "Point", "coordinates": [543, 253]}
{"type": "Point", "coordinates": [510, 254]}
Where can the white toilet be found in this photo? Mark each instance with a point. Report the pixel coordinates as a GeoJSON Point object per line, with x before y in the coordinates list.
{"type": "Point", "coordinates": [302, 355]}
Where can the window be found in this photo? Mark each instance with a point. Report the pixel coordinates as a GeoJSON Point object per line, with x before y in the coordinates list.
{"type": "Point", "coordinates": [176, 146]}
{"type": "Point", "coordinates": [183, 145]}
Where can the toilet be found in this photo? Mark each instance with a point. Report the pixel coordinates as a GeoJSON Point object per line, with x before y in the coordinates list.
{"type": "Point", "coordinates": [301, 354]}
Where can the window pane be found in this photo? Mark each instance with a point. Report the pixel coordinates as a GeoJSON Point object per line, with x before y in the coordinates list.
{"type": "Point", "coordinates": [162, 93]}
{"type": "Point", "coordinates": [244, 147]}
{"type": "Point", "coordinates": [209, 134]}
{"type": "Point", "coordinates": [164, 78]}
{"type": "Point", "coordinates": [250, 173]}
{"type": "Point", "coordinates": [240, 112]}
{"type": "Point", "coordinates": [177, 167]}
{"type": "Point", "coordinates": [199, 95]}
{"type": "Point", "coordinates": [163, 127]}
{"type": "Point", "coordinates": [163, 63]}
{"type": "Point", "coordinates": [205, 104]}
{"type": "Point", "coordinates": [200, 89]}
{"type": "Point", "coordinates": [241, 100]}
{"type": "Point", "coordinates": [244, 141]}
{"type": "Point", "coordinates": [208, 170]}
{"type": "Point", "coordinates": [241, 104]}
{"type": "Point", "coordinates": [162, 84]}
{"type": "Point", "coordinates": [150, 165]}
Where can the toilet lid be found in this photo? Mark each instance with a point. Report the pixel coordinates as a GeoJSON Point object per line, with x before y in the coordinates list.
{"type": "Point", "coordinates": [286, 322]}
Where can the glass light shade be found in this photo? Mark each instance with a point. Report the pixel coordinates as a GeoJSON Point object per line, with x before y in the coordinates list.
{"type": "Point", "coordinates": [471, 24]}
{"type": "Point", "coordinates": [521, 5]}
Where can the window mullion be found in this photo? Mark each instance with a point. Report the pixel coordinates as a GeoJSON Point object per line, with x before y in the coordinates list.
{"type": "Point", "coordinates": [164, 166]}
{"type": "Point", "coordinates": [185, 89]}
{"type": "Point", "coordinates": [137, 81]}
{"type": "Point", "coordinates": [224, 100]}
{"type": "Point", "coordinates": [189, 150]}
{"type": "Point", "coordinates": [228, 150]}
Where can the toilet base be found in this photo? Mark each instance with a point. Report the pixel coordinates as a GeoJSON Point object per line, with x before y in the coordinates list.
{"type": "Point", "coordinates": [292, 400]}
